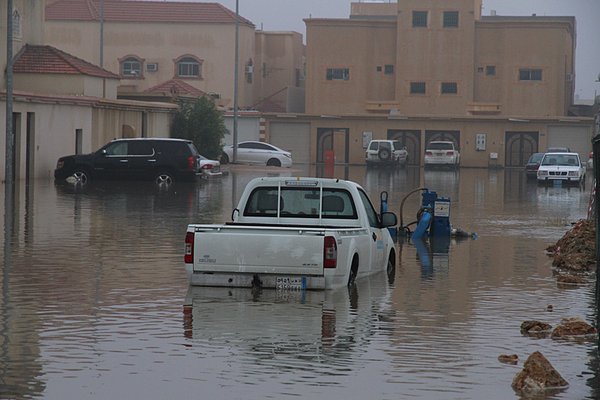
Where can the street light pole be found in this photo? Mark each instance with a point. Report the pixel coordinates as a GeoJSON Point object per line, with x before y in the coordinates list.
{"type": "Point", "coordinates": [9, 171]}
{"type": "Point", "coordinates": [235, 80]}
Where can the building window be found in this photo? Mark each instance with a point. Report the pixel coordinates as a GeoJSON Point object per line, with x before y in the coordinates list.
{"type": "Point", "coordinates": [417, 87]}
{"type": "Point", "coordinates": [490, 70]}
{"type": "Point", "coordinates": [388, 69]}
{"type": "Point", "coordinates": [131, 67]}
{"type": "Point", "coordinates": [249, 71]}
{"type": "Point", "coordinates": [450, 19]}
{"type": "Point", "coordinates": [449, 88]}
{"type": "Point", "coordinates": [419, 19]}
{"type": "Point", "coordinates": [188, 67]}
{"type": "Point", "coordinates": [379, 69]}
{"type": "Point", "coordinates": [338, 74]}
{"type": "Point", "coordinates": [527, 74]}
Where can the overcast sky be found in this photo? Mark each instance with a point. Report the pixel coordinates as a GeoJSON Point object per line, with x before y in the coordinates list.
{"type": "Point", "coordinates": [288, 15]}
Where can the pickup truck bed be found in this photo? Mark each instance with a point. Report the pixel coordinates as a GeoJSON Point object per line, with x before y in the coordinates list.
{"type": "Point", "coordinates": [302, 247]}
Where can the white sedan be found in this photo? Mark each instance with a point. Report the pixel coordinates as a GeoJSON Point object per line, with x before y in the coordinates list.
{"type": "Point", "coordinates": [564, 167]}
{"type": "Point", "coordinates": [251, 152]}
{"type": "Point", "coordinates": [209, 168]}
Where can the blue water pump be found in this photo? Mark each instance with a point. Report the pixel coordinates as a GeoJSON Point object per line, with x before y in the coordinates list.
{"type": "Point", "coordinates": [434, 216]}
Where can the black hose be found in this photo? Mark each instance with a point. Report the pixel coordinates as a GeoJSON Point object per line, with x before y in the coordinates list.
{"type": "Point", "coordinates": [402, 204]}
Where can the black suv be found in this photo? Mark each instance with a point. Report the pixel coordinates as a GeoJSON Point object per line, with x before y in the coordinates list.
{"type": "Point", "coordinates": [163, 160]}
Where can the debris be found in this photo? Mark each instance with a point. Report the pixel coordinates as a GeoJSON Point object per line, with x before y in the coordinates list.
{"type": "Point", "coordinates": [570, 280]}
{"type": "Point", "coordinates": [576, 250]}
{"type": "Point", "coordinates": [573, 328]}
{"type": "Point", "coordinates": [550, 308]}
{"type": "Point", "coordinates": [538, 375]}
{"type": "Point", "coordinates": [508, 358]}
{"type": "Point", "coordinates": [535, 328]}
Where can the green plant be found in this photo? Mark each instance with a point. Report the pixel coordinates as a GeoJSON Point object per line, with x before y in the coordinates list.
{"type": "Point", "coordinates": [202, 123]}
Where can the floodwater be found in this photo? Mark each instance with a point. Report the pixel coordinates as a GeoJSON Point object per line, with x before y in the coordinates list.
{"type": "Point", "coordinates": [95, 303]}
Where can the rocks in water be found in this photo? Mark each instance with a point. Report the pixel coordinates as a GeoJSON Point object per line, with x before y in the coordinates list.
{"type": "Point", "coordinates": [535, 328]}
{"type": "Point", "coordinates": [573, 328]}
{"type": "Point", "coordinates": [538, 375]}
{"type": "Point", "coordinates": [570, 280]}
{"type": "Point", "coordinates": [508, 358]}
{"type": "Point", "coordinates": [576, 250]}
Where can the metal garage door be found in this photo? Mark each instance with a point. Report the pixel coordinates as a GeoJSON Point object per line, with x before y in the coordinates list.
{"type": "Point", "coordinates": [294, 137]}
{"type": "Point", "coordinates": [577, 138]}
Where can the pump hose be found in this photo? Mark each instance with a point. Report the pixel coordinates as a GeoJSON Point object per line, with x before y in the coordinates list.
{"type": "Point", "coordinates": [402, 226]}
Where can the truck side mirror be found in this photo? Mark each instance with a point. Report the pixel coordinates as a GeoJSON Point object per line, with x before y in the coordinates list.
{"type": "Point", "coordinates": [388, 219]}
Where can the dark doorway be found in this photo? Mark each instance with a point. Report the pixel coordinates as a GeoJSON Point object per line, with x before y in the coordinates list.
{"type": "Point", "coordinates": [411, 139]}
{"type": "Point", "coordinates": [452, 136]}
{"type": "Point", "coordinates": [336, 140]}
{"type": "Point", "coordinates": [519, 147]}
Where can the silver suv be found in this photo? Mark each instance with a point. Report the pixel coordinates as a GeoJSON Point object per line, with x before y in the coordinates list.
{"type": "Point", "coordinates": [386, 152]}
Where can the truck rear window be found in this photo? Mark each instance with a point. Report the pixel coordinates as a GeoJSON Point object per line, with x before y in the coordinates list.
{"type": "Point", "coordinates": [300, 203]}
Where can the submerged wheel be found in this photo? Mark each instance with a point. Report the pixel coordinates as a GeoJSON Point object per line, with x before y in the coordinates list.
{"type": "Point", "coordinates": [391, 268]}
{"type": "Point", "coordinates": [164, 179]}
{"type": "Point", "coordinates": [79, 177]}
{"type": "Point", "coordinates": [273, 162]}
{"type": "Point", "coordinates": [353, 271]}
{"type": "Point", "coordinates": [224, 159]}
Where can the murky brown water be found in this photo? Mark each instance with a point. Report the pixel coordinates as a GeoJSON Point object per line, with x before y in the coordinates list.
{"type": "Point", "coordinates": [93, 289]}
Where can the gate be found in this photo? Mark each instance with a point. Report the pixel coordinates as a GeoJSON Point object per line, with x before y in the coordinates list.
{"type": "Point", "coordinates": [519, 147]}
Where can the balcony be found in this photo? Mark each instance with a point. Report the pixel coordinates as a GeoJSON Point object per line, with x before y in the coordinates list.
{"type": "Point", "coordinates": [479, 108]}
{"type": "Point", "coordinates": [381, 106]}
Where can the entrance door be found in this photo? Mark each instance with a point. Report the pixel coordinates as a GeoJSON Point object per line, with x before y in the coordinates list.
{"type": "Point", "coordinates": [333, 139]}
{"type": "Point", "coordinates": [411, 139]}
{"type": "Point", "coordinates": [519, 147]}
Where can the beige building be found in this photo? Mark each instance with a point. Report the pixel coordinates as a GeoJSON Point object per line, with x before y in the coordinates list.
{"type": "Point", "coordinates": [156, 45]}
{"type": "Point", "coordinates": [63, 104]}
{"type": "Point", "coordinates": [418, 70]}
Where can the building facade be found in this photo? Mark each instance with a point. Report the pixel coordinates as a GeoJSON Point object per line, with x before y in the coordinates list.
{"type": "Point", "coordinates": [156, 44]}
{"type": "Point", "coordinates": [421, 70]}
{"type": "Point", "coordinates": [62, 104]}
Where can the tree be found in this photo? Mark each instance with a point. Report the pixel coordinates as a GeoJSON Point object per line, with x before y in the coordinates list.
{"type": "Point", "coordinates": [202, 123]}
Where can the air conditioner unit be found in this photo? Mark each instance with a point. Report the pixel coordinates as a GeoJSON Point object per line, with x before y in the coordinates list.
{"type": "Point", "coordinates": [152, 67]}
{"type": "Point", "coordinates": [249, 69]}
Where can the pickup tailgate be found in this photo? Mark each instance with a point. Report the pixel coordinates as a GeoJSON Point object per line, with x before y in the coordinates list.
{"type": "Point", "coordinates": [258, 250]}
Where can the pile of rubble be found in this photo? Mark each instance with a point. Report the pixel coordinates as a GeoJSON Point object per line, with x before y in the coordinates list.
{"type": "Point", "coordinates": [574, 258]}
{"type": "Point", "coordinates": [575, 252]}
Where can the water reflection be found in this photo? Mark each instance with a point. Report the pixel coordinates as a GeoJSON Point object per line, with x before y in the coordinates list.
{"type": "Point", "coordinates": [92, 288]}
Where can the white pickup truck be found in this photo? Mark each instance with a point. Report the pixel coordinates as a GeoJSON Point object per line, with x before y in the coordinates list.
{"type": "Point", "coordinates": [293, 233]}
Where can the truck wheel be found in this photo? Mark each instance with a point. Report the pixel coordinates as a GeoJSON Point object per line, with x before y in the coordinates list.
{"type": "Point", "coordinates": [391, 268]}
{"type": "Point", "coordinates": [224, 159]}
{"type": "Point", "coordinates": [353, 271]}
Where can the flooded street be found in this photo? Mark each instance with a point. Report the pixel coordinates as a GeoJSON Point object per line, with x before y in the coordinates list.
{"type": "Point", "coordinates": [94, 288]}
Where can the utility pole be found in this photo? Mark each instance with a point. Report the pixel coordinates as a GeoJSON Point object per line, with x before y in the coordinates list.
{"type": "Point", "coordinates": [235, 80]}
{"type": "Point", "coordinates": [9, 171]}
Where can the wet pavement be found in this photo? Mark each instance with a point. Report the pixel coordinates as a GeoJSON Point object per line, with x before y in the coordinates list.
{"type": "Point", "coordinates": [95, 302]}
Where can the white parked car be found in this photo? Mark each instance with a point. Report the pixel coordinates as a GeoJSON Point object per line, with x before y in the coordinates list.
{"type": "Point", "coordinates": [564, 167]}
{"type": "Point", "coordinates": [442, 153]}
{"type": "Point", "coordinates": [209, 168]}
{"type": "Point", "coordinates": [251, 152]}
{"type": "Point", "coordinates": [386, 152]}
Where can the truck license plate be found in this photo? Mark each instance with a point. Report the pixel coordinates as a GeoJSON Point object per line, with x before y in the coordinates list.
{"type": "Point", "coordinates": [288, 282]}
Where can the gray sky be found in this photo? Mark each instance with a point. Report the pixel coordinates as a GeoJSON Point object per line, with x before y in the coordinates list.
{"type": "Point", "coordinates": [287, 15]}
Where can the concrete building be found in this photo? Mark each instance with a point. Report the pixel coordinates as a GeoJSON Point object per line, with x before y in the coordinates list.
{"type": "Point", "coordinates": [154, 44]}
{"type": "Point", "coordinates": [63, 104]}
{"type": "Point", "coordinates": [419, 70]}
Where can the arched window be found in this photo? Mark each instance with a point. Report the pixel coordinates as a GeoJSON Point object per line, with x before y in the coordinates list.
{"type": "Point", "coordinates": [16, 24]}
{"type": "Point", "coordinates": [188, 67]}
{"type": "Point", "coordinates": [131, 67]}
